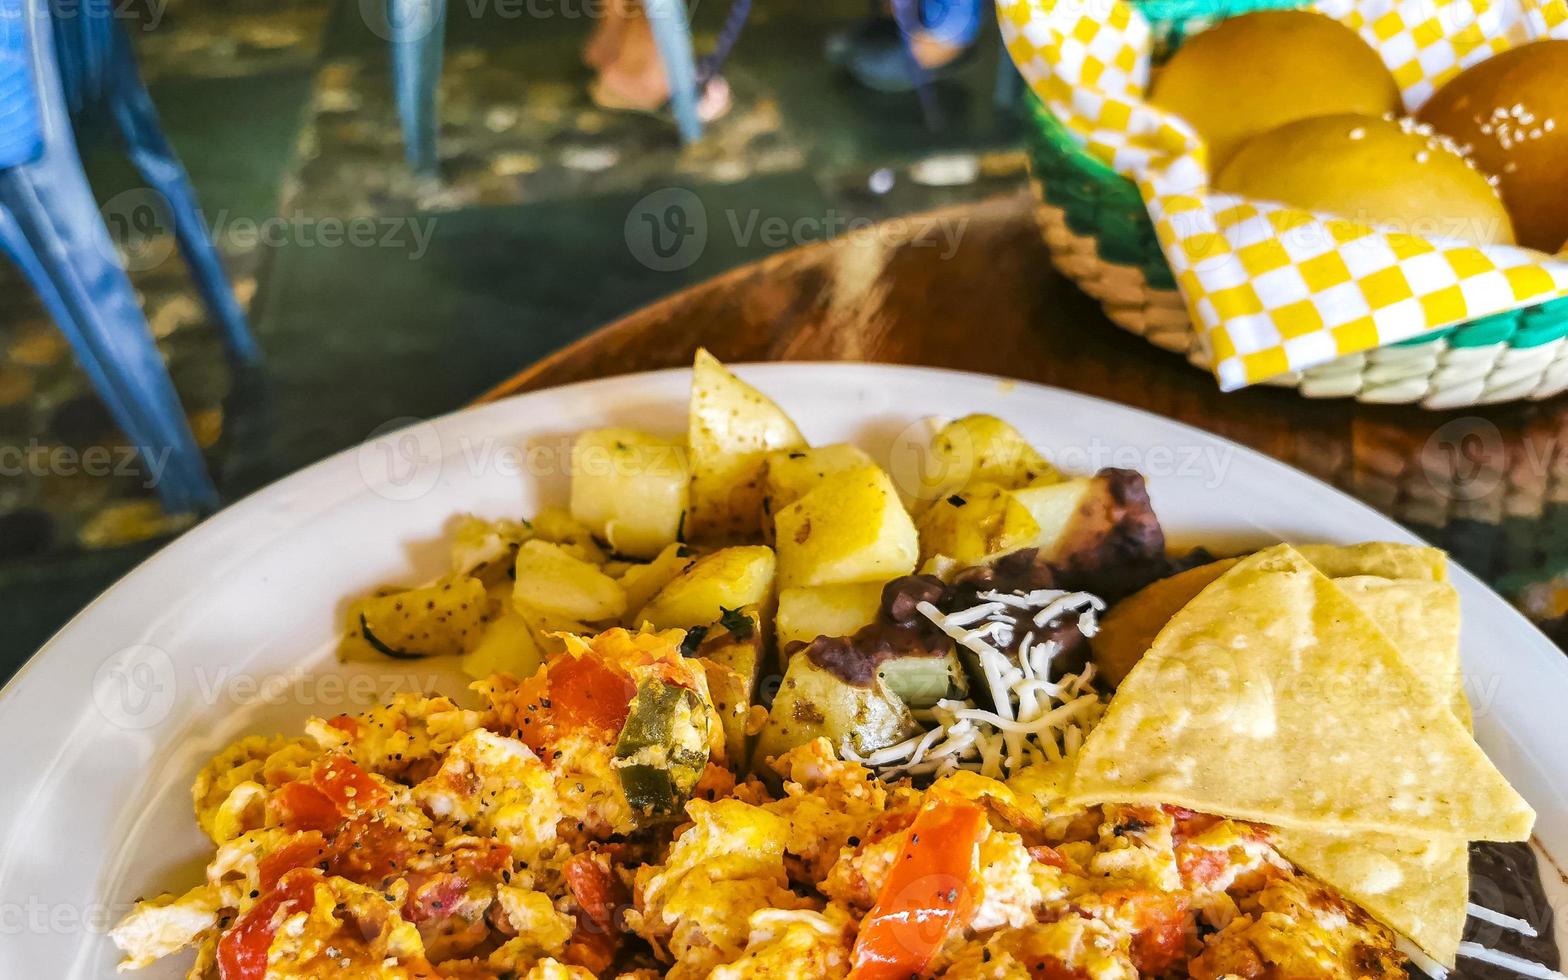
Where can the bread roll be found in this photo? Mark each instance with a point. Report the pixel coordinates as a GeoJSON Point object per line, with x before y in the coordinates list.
{"type": "Point", "coordinates": [1512, 111]}
{"type": "Point", "coordinates": [1253, 73]}
{"type": "Point", "coordinates": [1374, 171]}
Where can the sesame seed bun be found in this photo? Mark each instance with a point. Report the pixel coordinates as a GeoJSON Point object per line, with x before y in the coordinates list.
{"type": "Point", "coordinates": [1372, 170]}
{"type": "Point", "coordinates": [1512, 111]}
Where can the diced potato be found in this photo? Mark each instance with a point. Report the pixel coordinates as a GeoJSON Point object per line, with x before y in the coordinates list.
{"type": "Point", "coordinates": [442, 619]}
{"type": "Point", "coordinates": [973, 525]}
{"type": "Point", "coordinates": [557, 526]}
{"type": "Point", "coordinates": [731, 654]}
{"type": "Point", "coordinates": [732, 426]}
{"type": "Point", "coordinates": [851, 527]}
{"type": "Point", "coordinates": [1102, 533]}
{"type": "Point", "coordinates": [630, 488]}
{"type": "Point", "coordinates": [643, 582]}
{"type": "Point", "coordinates": [813, 703]}
{"type": "Point", "coordinates": [553, 580]}
{"type": "Point", "coordinates": [727, 579]}
{"type": "Point", "coordinates": [941, 566]}
{"type": "Point", "coordinates": [1057, 508]}
{"type": "Point", "coordinates": [986, 521]}
{"type": "Point", "coordinates": [792, 473]}
{"type": "Point", "coordinates": [807, 612]}
{"type": "Point", "coordinates": [732, 700]}
{"type": "Point", "coordinates": [507, 646]}
{"type": "Point", "coordinates": [498, 591]}
{"type": "Point", "coordinates": [486, 549]}
{"type": "Point", "coordinates": [980, 448]}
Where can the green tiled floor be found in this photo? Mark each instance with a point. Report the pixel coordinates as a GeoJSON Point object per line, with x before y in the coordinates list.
{"type": "Point", "coordinates": [281, 112]}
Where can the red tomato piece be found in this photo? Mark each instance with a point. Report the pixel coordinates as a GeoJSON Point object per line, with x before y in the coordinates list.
{"type": "Point", "coordinates": [350, 788]}
{"type": "Point", "coordinates": [347, 724]}
{"type": "Point", "coordinates": [1048, 855]}
{"type": "Point", "coordinates": [929, 889]}
{"type": "Point", "coordinates": [486, 859]}
{"type": "Point", "coordinates": [1189, 823]}
{"type": "Point", "coordinates": [572, 693]}
{"type": "Point", "coordinates": [1200, 867]}
{"type": "Point", "coordinates": [594, 888]}
{"type": "Point", "coordinates": [585, 692]}
{"type": "Point", "coordinates": [306, 850]}
{"type": "Point", "coordinates": [242, 950]}
{"type": "Point", "coordinates": [1159, 923]}
{"type": "Point", "coordinates": [597, 894]}
{"type": "Point", "coordinates": [303, 807]}
{"type": "Point", "coordinates": [368, 851]}
{"type": "Point", "coordinates": [435, 897]}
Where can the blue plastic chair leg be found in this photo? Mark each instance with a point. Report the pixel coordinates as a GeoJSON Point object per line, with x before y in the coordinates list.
{"type": "Point", "coordinates": [672, 36]}
{"type": "Point", "coordinates": [50, 225]}
{"type": "Point", "coordinates": [418, 29]}
{"type": "Point", "coordinates": [92, 303]}
{"type": "Point", "coordinates": [149, 150]}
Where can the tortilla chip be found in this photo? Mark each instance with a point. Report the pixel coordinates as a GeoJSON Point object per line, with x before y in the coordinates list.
{"type": "Point", "coordinates": [1384, 559]}
{"type": "Point", "coordinates": [1418, 888]}
{"type": "Point", "coordinates": [1271, 697]}
{"type": "Point", "coordinates": [1128, 630]}
{"type": "Point", "coordinates": [1422, 620]}
{"type": "Point", "coordinates": [1417, 604]}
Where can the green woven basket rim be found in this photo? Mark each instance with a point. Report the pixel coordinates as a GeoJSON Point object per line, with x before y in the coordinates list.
{"type": "Point", "coordinates": [1061, 139]}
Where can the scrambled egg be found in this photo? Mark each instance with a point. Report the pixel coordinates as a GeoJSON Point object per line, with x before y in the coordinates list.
{"type": "Point", "coordinates": [1296, 927]}
{"type": "Point", "coordinates": [793, 945]}
{"type": "Point", "coordinates": [726, 866]}
{"type": "Point", "coordinates": [346, 927]}
{"type": "Point", "coordinates": [497, 787]}
{"type": "Point", "coordinates": [592, 800]}
{"type": "Point", "coordinates": [1073, 946]}
{"type": "Point", "coordinates": [166, 925]}
{"type": "Point", "coordinates": [405, 735]}
{"type": "Point", "coordinates": [422, 841]}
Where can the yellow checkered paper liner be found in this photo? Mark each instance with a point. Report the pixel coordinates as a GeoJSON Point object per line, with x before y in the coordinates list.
{"type": "Point", "coordinates": [1273, 289]}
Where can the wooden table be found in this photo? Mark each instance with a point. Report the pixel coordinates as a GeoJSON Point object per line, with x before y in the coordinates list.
{"type": "Point", "coordinates": [1490, 485]}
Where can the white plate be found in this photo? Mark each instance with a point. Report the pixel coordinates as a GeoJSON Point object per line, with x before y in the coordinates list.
{"type": "Point", "coordinates": [229, 630]}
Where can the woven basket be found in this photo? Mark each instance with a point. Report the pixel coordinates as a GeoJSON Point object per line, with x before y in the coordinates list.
{"type": "Point", "coordinates": [1100, 236]}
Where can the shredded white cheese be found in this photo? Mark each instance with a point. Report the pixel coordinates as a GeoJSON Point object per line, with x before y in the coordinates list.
{"type": "Point", "coordinates": [1034, 719]}
{"type": "Point", "coordinates": [1499, 919]}
{"type": "Point", "coordinates": [1508, 961]}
